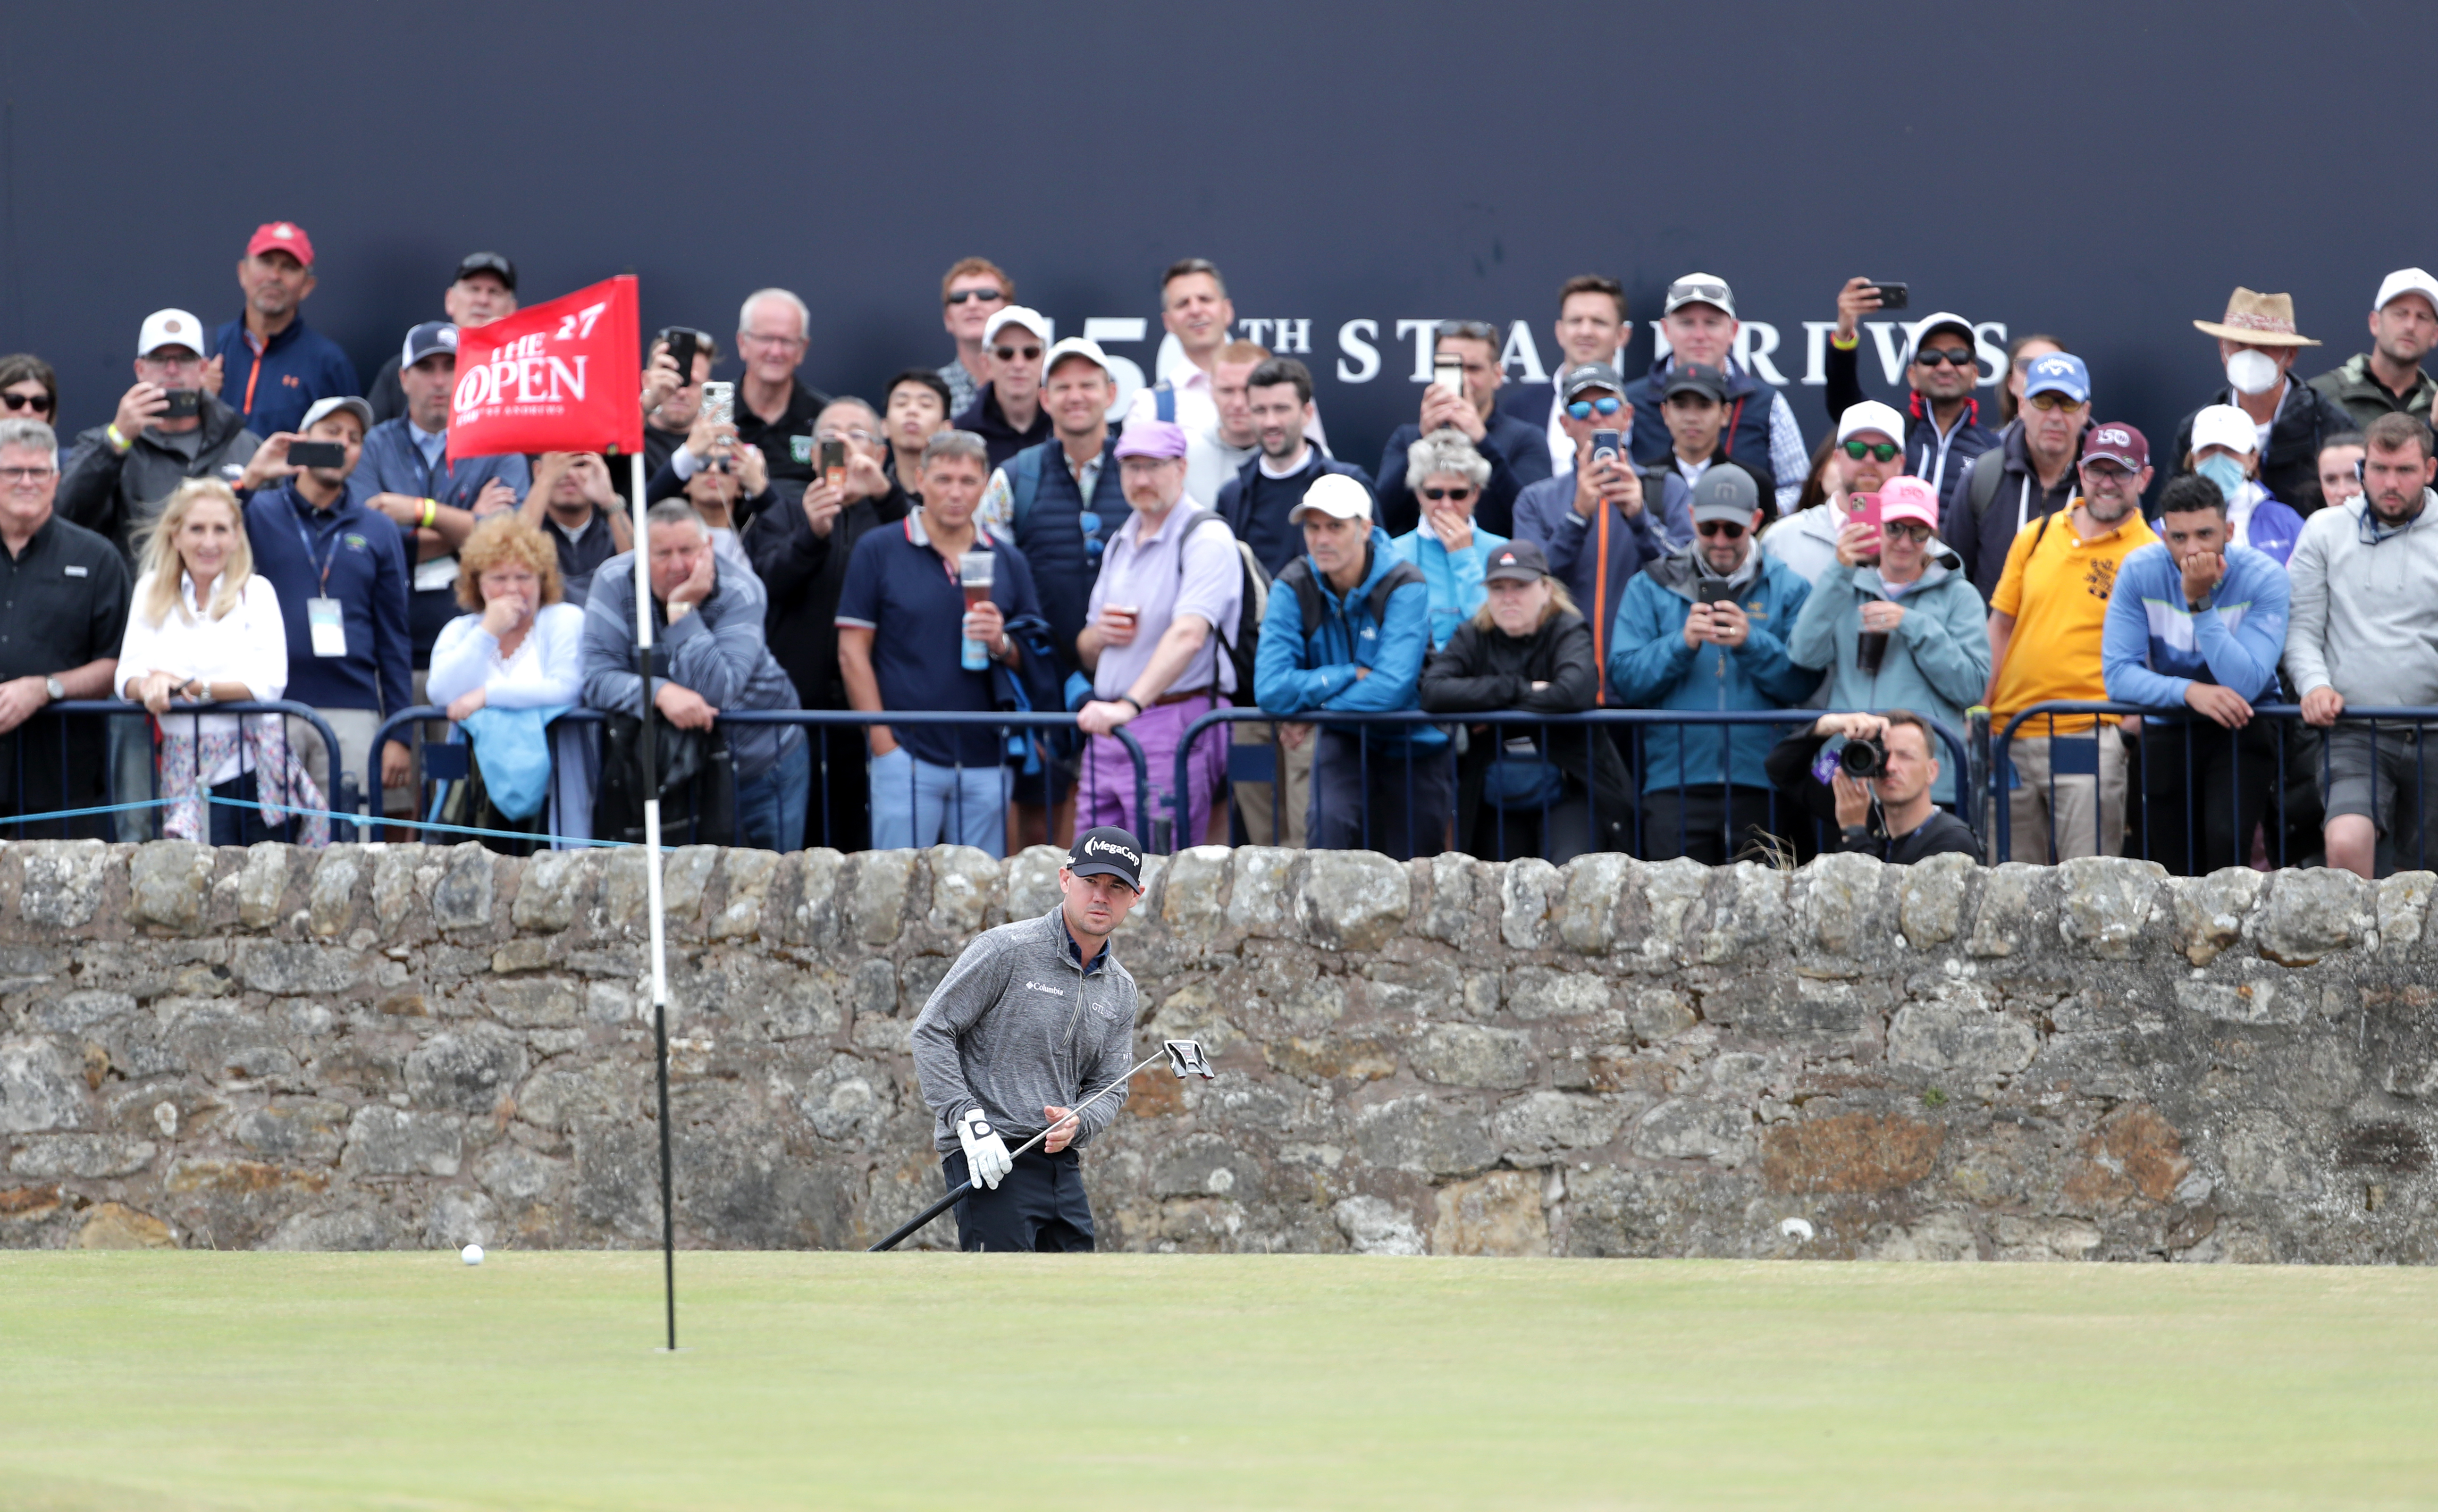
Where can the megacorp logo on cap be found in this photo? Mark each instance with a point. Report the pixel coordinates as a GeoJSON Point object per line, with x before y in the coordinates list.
{"type": "Point", "coordinates": [1096, 843]}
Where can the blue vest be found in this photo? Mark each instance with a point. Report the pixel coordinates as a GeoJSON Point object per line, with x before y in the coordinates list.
{"type": "Point", "coordinates": [1047, 520]}
{"type": "Point", "coordinates": [1744, 439]}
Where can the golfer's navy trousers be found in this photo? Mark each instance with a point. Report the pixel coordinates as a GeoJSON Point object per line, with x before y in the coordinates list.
{"type": "Point", "coordinates": [1039, 1205]}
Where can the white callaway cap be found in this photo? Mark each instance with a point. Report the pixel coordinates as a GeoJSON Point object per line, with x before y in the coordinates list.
{"type": "Point", "coordinates": [169, 328]}
{"type": "Point", "coordinates": [1082, 347]}
{"type": "Point", "coordinates": [1335, 495]}
{"type": "Point", "coordinates": [1014, 315]}
{"type": "Point", "coordinates": [2406, 281]}
{"type": "Point", "coordinates": [2223, 425]}
{"type": "Point", "coordinates": [1871, 416]}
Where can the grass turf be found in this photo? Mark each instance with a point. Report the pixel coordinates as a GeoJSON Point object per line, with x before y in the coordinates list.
{"type": "Point", "coordinates": [190, 1380]}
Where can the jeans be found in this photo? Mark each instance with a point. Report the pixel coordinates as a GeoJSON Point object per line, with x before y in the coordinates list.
{"type": "Point", "coordinates": [770, 807]}
{"type": "Point", "coordinates": [1712, 824]}
{"type": "Point", "coordinates": [1392, 799]}
{"type": "Point", "coordinates": [239, 826]}
{"type": "Point", "coordinates": [916, 804]}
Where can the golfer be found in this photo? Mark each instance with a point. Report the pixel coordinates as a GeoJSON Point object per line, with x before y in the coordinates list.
{"type": "Point", "coordinates": [1035, 1017]}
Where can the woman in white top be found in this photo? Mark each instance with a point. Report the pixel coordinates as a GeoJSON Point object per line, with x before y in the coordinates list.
{"type": "Point", "coordinates": [521, 651]}
{"type": "Point", "coordinates": [205, 630]}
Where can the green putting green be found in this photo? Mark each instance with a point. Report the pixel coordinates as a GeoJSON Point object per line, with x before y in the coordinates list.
{"type": "Point", "coordinates": [175, 1380]}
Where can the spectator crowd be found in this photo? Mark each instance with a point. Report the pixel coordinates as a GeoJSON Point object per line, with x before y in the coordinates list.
{"type": "Point", "coordinates": [1785, 635]}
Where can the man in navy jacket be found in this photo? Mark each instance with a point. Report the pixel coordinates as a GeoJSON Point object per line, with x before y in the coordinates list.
{"type": "Point", "coordinates": [271, 366]}
{"type": "Point", "coordinates": [1517, 451]}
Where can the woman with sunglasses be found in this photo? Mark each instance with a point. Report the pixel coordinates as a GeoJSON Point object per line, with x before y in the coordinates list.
{"type": "Point", "coordinates": [1448, 476]}
{"type": "Point", "coordinates": [28, 389]}
{"type": "Point", "coordinates": [1894, 622]}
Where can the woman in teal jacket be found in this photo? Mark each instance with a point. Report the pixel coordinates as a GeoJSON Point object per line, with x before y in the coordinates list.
{"type": "Point", "coordinates": [1449, 547]}
{"type": "Point", "coordinates": [1900, 582]}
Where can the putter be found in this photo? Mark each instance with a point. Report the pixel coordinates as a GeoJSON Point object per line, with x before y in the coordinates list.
{"type": "Point", "coordinates": [1185, 1058]}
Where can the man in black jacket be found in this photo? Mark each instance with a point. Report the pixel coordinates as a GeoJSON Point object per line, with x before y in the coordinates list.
{"type": "Point", "coordinates": [800, 552]}
{"type": "Point", "coordinates": [1518, 453]}
{"type": "Point", "coordinates": [1889, 816]}
{"type": "Point", "coordinates": [1943, 428]}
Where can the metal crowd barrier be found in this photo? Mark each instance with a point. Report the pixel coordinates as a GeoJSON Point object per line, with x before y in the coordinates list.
{"type": "Point", "coordinates": [437, 762]}
{"type": "Point", "coordinates": [1639, 725]}
{"type": "Point", "coordinates": [2272, 781]}
{"type": "Point", "coordinates": [106, 816]}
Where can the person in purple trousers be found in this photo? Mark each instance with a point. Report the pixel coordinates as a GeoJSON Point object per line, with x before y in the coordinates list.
{"type": "Point", "coordinates": [1164, 614]}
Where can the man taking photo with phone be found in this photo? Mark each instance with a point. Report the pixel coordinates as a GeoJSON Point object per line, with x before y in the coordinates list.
{"type": "Point", "coordinates": [1518, 454]}
{"type": "Point", "coordinates": [1589, 516]}
{"type": "Point", "coordinates": [1942, 428]}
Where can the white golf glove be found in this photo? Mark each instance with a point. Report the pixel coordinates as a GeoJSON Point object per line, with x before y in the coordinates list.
{"type": "Point", "coordinates": [986, 1158]}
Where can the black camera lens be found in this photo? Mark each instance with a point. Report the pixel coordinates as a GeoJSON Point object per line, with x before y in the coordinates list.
{"type": "Point", "coordinates": [1864, 758]}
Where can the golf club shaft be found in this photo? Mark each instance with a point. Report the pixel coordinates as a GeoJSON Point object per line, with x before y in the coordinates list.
{"type": "Point", "coordinates": [912, 1224]}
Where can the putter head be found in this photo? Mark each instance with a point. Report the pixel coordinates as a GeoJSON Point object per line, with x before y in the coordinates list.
{"type": "Point", "coordinates": [1186, 1058]}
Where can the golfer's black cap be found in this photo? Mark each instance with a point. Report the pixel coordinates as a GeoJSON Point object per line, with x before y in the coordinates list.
{"type": "Point", "coordinates": [487, 262]}
{"type": "Point", "coordinates": [1107, 852]}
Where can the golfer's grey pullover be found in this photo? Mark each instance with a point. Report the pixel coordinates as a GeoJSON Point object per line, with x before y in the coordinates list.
{"type": "Point", "coordinates": [1018, 1025]}
{"type": "Point", "coordinates": [2365, 609]}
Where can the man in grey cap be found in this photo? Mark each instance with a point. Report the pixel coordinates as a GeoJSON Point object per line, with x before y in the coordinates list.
{"type": "Point", "coordinates": [1590, 518]}
{"type": "Point", "coordinates": [1035, 1017]}
{"type": "Point", "coordinates": [1703, 632]}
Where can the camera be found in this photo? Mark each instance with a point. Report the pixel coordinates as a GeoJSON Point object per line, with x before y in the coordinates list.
{"type": "Point", "coordinates": [1864, 758]}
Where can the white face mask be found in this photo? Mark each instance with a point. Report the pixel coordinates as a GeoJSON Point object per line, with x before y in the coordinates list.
{"type": "Point", "coordinates": [2252, 372]}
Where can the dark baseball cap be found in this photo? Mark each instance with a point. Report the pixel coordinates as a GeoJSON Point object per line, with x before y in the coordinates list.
{"type": "Point", "coordinates": [2118, 443]}
{"type": "Point", "coordinates": [1726, 492]}
{"type": "Point", "coordinates": [487, 262]}
{"type": "Point", "coordinates": [1695, 377]}
{"type": "Point", "coordinates": [1107, 852]}
{"type": "Point", "coordinates": [1518, 561]}
{"type": "Point", "coordinates": [1590, 377]}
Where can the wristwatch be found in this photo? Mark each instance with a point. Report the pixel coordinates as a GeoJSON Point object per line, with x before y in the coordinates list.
{"type": "Point", "coordinates": [54, 689]}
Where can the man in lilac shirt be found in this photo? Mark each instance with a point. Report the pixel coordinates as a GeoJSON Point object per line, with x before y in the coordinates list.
{"type": "Point", "coordinates": [1170, 577]}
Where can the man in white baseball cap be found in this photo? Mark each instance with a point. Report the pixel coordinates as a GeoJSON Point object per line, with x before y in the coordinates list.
{"type": "Point", "coordinates": [1942, 366]}
{"type": "Point", "coordinates": [1006, 411]}
{"type": "Point", "coordinates": [2387, 379]}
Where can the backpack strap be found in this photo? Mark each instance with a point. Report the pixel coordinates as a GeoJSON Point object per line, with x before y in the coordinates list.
{"type": "Point", "coordinates": [1298, 575]}
{"type": "Point", "coordinates": [1023, 485]}
{"type": "Point", "coordinates": [1392, 580]}
{"type": "Point", "coordinates": [1982, 486]}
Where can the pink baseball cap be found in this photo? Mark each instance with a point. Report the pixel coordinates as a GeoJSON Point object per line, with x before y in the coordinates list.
{"type": "Point", "coordinates": [1909, 499]}
{"type": "Point", "coordinates": [281, 236]}
{"type": "Point", "coordinates": [1152, 438]}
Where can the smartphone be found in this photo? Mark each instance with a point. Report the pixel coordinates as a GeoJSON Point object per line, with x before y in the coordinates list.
{"type": "Point", "coordinates": [1893, 295]}
{"type": "Point", "coordinates": [182, 403]}
{"type": "Point", "coordinates": [681, 351]}
{"type": "Point", "coordinates": [1448, 373]}
{"type": "Point", "coordinates": [1608, 443]}
{"type": "Point", "coordinates": [1714, 590]}
{"type": "Point", "coordinates": [1863, 509]}
{"type": "Point", "coordinates": [834, 463]}
{"type": "Point", "coordinates": [317, 453]}
{"type": "Point", "coordinates": [719, 403]}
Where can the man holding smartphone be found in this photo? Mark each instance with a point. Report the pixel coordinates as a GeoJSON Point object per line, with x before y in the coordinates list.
{"type": "Point", "coordinates": [166, 431]}
{"type": "Point", "coordinates": [1517, 452]}
{"type": "Point", "coordinates": [1942, 428]}
{"type": "Point", "coordinates": [1590, 518]}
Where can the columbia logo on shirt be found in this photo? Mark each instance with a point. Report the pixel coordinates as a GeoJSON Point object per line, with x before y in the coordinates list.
{"type": "Point", "coordinates": [1054, 991]}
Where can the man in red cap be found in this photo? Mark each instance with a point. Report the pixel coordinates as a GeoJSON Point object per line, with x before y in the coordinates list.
{"type": "Point", "coordinates": [269, 366]}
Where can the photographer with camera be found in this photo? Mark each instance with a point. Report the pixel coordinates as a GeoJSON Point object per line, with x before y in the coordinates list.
{"type": "Point", "coordinates": [1875, 786]}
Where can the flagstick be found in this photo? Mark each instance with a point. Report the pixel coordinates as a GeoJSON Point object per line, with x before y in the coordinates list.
{"type": "Point", "coordinates": [652, 888]}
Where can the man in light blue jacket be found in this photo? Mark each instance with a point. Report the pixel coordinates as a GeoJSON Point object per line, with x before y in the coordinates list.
{"type": "Point", "coordinates": [2195, 622]}
{"type": "Point", "coordinates": [1703, 630]}
{"type": "Point", "coordinates": [1345, 631]}
{"type": "Point", "coordinates": [1895, 623]}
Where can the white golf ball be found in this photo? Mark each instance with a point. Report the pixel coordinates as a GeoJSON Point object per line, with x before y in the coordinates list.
{"type": "Point", "coordinates": [472, 1254]}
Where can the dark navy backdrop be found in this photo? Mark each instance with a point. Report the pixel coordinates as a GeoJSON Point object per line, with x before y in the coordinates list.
{"type": "Point", "coordinates": [2103, 171]}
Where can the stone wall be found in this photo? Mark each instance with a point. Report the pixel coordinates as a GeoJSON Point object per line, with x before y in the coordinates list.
{"type": "Point", "coordinates": [375, 1046]}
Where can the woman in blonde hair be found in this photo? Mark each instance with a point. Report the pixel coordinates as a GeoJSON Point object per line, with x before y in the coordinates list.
{"type": "Point", "coordinates": [504, 672]}
{"type": "Point", "coordinates": [1527, 789]}
{"type": "Point", "coordinates": [207, 630]}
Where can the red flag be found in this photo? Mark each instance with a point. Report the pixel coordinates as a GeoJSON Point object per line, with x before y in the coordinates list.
{"type": "Point", "coordinates": [566, 375]}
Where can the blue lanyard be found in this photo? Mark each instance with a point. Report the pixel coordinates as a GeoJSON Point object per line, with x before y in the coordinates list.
{"type": "Point", "coordinates": [329, 556]}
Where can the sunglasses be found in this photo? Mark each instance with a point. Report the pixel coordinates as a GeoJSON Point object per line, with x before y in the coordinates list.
{"type": "Point", "coordinates": [1435, 495]}
{"type": "Point", "coordinates": [1009, 354]}
{"type": "Point", "coordinates": [1699, 293]}
{"type": "Point", "coordinates": [1945, 357]}
{"type": "Point", "coordinates": [986, 296]}
{"type": "Point", "coordinates": [1581, 409]}
{"type": "Point", "coordinates": [1090, 521]}
{"type": "Point", "coordinates": [40, 403]}
{"type": "Point", "coordinates": [2051, 400]}
{"type": "Point", "coordinates": [1877, 451]}
{"type": "Point", "coordinates": [1728, 528]}
{"type": "Point", "coordinates": [1914, 531]}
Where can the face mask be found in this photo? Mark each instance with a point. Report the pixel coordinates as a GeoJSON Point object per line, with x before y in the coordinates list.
{"type": "Point", "coordinates": [2251, 372]}
{"type": "Point", "coordinates": [2224, 471]}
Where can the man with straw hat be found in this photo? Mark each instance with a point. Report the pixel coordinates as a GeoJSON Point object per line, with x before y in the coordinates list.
{"type": "Point", "coordinates": [2258, 342]}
